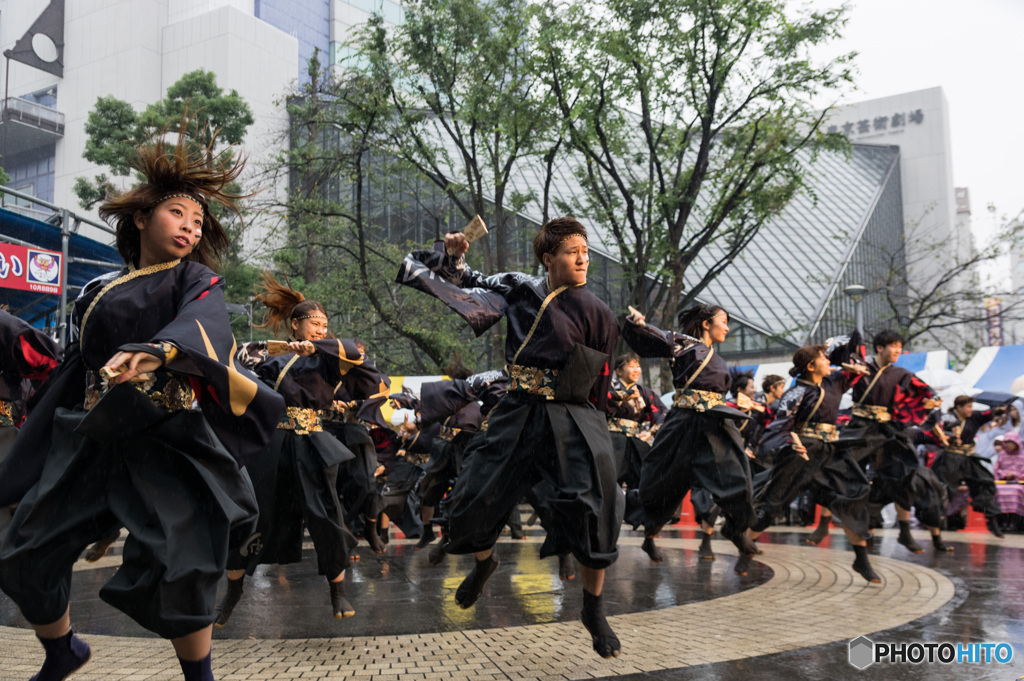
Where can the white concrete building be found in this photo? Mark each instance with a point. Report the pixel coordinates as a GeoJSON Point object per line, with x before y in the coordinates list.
{"type": "Point", "coordinates": [133, 50]}
{"type": "Point", "coordinates": [918, 123]}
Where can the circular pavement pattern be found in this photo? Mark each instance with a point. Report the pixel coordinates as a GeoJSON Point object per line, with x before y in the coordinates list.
{"type": "Point", "coordinates": [813, 598]}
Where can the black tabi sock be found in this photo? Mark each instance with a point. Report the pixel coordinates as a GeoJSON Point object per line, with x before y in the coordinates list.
{"type": "Point", "coordinates": [862, 565]}
{"type": "Point", "coordinates": [907, 539]}
{"type": "Point", "coordinates": [473, 585]}
{"type": "Point", "coordinates": [606, 643]}
{"type": "Point", "coordinates": [64, 655]}
{"type": "Point", "coordinates": [821, 531]}
{"type": "Point", "coordinates": [231, 598]}
{"type": "Point", "coordinates": [198, 670]}
{"type": "Point", "coordinates": [705, 551]}
{"type": "Point", "coordinates": [339, 602]}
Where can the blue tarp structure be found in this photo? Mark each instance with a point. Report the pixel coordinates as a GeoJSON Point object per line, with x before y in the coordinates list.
{"type": "Point", "coordinates": [919, 361]}
{"type": "Point", "coordinates": [997, 369]}
{"type": "Point", "coordinates": [36, 307]}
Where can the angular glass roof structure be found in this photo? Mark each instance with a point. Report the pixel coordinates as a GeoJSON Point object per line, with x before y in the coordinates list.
{"type": "Point", "coordinates": [788, 283]}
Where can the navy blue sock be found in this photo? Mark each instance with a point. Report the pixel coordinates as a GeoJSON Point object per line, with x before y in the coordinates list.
{"type": "Point", "coordinates": [63, 656]}
{"type": "Point", "coordinates": [198, 670]}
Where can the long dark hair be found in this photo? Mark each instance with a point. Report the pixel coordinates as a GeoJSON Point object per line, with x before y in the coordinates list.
{"type": "Point", "coordinates": [180, 168]}
{"type": "Point", "coordinates": [283, 303]}
{"type": "Point", "coordinates": [691, 320]}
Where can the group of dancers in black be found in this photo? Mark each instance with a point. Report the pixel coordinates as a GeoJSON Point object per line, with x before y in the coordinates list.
{"type": "Point", "coordinates": [214, 457]}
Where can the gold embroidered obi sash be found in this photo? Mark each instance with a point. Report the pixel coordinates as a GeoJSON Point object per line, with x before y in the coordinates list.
{"type": "Point", "coordinates": [826, 432]}
{"type": "Point", "coordinates": [448, 434]}
{"type": "Point", "coordinates": [698, 400]}
{"type": "Point", "coordinates": [963, 450]}
{"type": "Point", "coordinates": [627, 427]}
{"type": "Point", "coordinates": [532, 380]}
{"type": "Point", "coordinates": [302, 420]}
{"type": "Point", "coordinates": [872, 412]}
{"type": "Point", "coordinates": [6, 413]}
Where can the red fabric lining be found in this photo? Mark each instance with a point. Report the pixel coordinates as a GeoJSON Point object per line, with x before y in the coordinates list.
{"type": "Point", "coordinates": [42, 364]}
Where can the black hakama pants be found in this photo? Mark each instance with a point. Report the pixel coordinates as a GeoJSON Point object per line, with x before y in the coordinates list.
{"type": "Point", "coordinates": [399, 498]}
{"type": "Point", "coordinates": [356, 484]}
{"type": "Point", "coordinates": [180, 494]}
{"type": "Point", "coordinates": [559, 449]}
{"type": "Point", "coordinates": [295, 483]}
{"type": "Point", "coordinates": [629, 457]}
{"type": "Point", "coordinates": [695, 449]}
{"type": "Point", "coordinates": [954, 469]}
{"type": "Point", "coordinates": [442, 469]}
{"type": "Point", "coordinates": [833, 478]}
{"type": "Point", "coordinates": [895, 473]}
{"type": "Point", "coordinates": [7, 435]}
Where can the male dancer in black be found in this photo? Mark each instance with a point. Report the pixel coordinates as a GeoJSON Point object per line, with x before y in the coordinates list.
{"type": "Point", "coordinates": [956, 464]}
{"type": "Point", "coordinates": [549, 431]}
{"type": "Point", "coordinates": [885, 401]}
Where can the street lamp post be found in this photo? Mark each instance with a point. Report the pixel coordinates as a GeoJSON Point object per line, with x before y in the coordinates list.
{"type": "Point", "coordinates": [856, 291]}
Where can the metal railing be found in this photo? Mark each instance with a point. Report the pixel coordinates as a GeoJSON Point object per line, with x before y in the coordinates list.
{"type": "Point", "coordinates": [18, 109]}
{"type": "Point", "coordinates": [69, 224]}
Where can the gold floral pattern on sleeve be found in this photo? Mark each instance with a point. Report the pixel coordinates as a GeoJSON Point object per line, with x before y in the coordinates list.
{"type": "Point", "coordinates": [163, 388]}
{"type": "Point", "coordinates": [6, 413]}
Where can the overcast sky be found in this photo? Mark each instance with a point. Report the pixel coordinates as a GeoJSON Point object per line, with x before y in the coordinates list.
{"type": "Point", "coordinates": [974, 50]}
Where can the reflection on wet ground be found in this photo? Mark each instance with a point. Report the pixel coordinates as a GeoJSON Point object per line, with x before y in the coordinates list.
{"type": "Point", "coordinates": [988, 608]}
{"type": "Point", "coordinates": [400, 593]}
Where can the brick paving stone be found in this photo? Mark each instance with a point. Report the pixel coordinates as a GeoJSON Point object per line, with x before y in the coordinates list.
{"type": "Point", "coordinates": [813, 598]}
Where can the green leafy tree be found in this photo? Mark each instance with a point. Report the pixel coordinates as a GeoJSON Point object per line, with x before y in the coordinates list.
{"type": "Point", "coordinates": [335, 247]}
{"type": "Point", "coordinates": [462, 107]}
{"type": "Point", "coordinates": [216, 119]}
{"type": "Point", "coordinates": [693, 122]}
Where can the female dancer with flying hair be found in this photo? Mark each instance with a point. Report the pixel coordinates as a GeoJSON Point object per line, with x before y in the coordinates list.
{"type": "Point", "coordinates": [699, 442]}
{"type": "Point", "coordinates": [147, 344]}
{"type": "Point", "coordinates": [296, 479]}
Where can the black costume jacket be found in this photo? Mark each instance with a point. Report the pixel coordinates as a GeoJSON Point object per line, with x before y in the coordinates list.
{"type": "Point", "coordinates": [311, 383]}
{"type": "Point", "coordinates": [574, 317]}
{"type": "Point", "coordinates": [635, 403]}
{"type": "Point", "coordinates": [687, 354]}
{"type": "Point", "coordinates": [795, 407]}
{"type": "Point", "coordinates": [455, 404]}
{"type": "Point", "coordinates": [898, 390]}
{"type": "Point", "coordinates": [27, 356]}
{"type": "Point", "coordinates": [182, 306]}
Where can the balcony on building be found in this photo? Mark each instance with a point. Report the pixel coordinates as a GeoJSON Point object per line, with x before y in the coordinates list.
{"type": "Point", "coordinates": [26, 125]}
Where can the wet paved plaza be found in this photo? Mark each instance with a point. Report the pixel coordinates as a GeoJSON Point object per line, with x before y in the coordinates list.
{"type": "Point", "coordinates": [791, 617]}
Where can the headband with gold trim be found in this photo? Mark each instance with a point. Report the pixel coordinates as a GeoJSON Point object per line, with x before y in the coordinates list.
{"type": "Point", "coordinates": [555, 248]}
{"type": "Point", "coordinates": [183, 196]}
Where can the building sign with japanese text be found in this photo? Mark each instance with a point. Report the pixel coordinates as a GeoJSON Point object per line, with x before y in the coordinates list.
{"type": "Point", "coordinates": [994, 320]}
{"type": "Point", "coordinates": [879, 125]}
{"type": "Point", "coordinates": [29, 269]}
